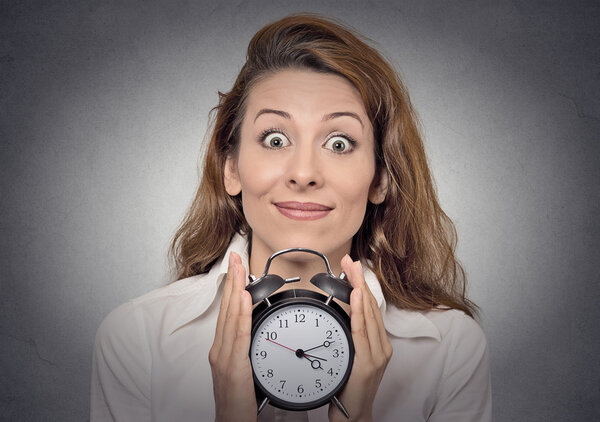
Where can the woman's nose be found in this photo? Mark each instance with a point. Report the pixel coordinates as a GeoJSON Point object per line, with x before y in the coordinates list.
{"type": "Point", "coordinates": [303, 169]}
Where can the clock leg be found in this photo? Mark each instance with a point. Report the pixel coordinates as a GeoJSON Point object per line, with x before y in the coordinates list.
{"type": "Point", "coordinates": [340, 406]}
{"type": "Point", "coordinates": [262, 405]}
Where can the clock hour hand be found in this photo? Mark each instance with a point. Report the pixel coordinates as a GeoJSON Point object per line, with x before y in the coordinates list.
{"type": "Point", "coordinates": [315, 363]}
{"type": "Point", "coordinates": [313, 357]}
{"type": "Point", "coordinates": [300, 353]}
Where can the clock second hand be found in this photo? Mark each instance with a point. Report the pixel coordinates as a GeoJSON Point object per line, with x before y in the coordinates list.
{"type": "Point", "coordinates": [279, 344]}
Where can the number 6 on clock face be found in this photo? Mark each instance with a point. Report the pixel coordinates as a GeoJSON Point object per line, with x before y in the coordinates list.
{"type": "Point", "coordinates": [301, 351]}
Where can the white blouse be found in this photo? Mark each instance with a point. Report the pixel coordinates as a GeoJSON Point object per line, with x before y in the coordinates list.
{"type": "Point", "coordinates": [150, 359]}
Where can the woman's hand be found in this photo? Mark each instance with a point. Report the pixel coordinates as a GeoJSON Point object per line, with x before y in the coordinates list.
{"type": "Point", "coordinates": [229, 361]}
{"type": "Point", "coordinates": [372, 349]}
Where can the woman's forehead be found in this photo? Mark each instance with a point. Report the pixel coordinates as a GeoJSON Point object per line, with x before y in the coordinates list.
{"type": "Point", "coordinates": [292, 85]}
{"type": "Point", "coordinates": [303, 93]}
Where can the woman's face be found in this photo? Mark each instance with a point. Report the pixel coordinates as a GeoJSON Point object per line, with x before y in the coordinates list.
{"type": "Point", "coordinates": [305, 164]}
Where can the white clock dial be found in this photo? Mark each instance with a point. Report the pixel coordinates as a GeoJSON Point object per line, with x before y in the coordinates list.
{"type": "Point", "coordinates": [300, 353]}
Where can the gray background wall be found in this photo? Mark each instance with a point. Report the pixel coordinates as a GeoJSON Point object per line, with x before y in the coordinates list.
{"type": "Point", "coordinates": [104, 108]}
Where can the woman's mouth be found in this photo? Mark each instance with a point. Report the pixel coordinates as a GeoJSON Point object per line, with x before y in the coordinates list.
{"type": "Point", "coordinates": [302, 210]}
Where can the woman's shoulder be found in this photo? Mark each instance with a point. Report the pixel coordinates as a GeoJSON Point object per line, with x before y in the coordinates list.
{"type": "Point", "coordinates": [442, 324]}
{"type": "Point", "coordinates": [464, 387]}
{"type": "Point", "coordinates": [123, 348]}
{"type": "Point", "coordinates": [455, 323]}
{"type": "Point", "coordinates": [164, 304]}
{"type": "Point", "coordinates": [462, 340]}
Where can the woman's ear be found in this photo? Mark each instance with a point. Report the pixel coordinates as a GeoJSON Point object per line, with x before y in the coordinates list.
{"type": "Point", "coordinates": [231, 177]}
{"type": "Point", "coordinates": [379, 187]}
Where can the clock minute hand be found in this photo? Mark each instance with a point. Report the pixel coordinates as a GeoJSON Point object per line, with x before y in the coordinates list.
{"type": "Point", "coordinates": [325, 343]}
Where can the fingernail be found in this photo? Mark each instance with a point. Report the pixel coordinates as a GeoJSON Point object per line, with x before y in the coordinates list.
{"type": "Point", "coordinates": [230, 258]}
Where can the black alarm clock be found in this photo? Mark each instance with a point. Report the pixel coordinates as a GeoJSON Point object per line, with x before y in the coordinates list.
{"type": "Point", "coordinates": [301, 349]}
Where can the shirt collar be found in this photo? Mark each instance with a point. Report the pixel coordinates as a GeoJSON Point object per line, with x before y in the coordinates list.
{"type": "Point", "coordinates": [199, 293]}
{"type": "Point", "coordinates": [399, 322]}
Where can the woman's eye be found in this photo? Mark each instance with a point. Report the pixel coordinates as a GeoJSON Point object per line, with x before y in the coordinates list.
{"type": "Point", "coordinates": [339, 144]}
{"type": "Point", "coordinates": [275, 140]}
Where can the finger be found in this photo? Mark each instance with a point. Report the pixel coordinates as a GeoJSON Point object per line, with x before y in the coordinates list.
{"type": "Point", "coordinates": [239, 282]}
{"type": "Point", "coordinates": [378, 330]}
{"type": "Point", "coordinates": [386, 346]}
{"type": "Point", "coordinates": [232, 315]}
{"type": "Point", "coordinates": [225, 301]}
{"type": "Point", "coordinates": [374, 328]}
{"type": "Point", "coordinates": [229, 280]}
{"type": "Point", "coordinates": [355, 273]}
{"type": "Point", "coordinates": [379, 336]}
{"type": "Point", "coordinates": [358, 316]}
{"type": "Point", "coordinates": [368, 302]}
{"type": "Point", "coordinates": [357, 324]}
{"type": "Point", "coordinates": [242, 340]}
{"type": "Point", "coordinates": [347, 269]}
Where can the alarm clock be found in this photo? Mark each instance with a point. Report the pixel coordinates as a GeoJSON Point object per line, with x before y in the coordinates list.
{"type": "Point", "coordinates": [301, 348]}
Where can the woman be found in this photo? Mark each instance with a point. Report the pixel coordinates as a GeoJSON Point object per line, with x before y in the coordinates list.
{"type": "Point", "coordinates": [317, 146]}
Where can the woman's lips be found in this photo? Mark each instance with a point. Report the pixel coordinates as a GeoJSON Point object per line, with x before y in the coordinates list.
{"type": "Point", "coordinates": [302, 210]}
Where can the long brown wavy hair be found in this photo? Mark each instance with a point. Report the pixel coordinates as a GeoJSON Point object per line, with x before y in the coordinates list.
{"type": "Point", "coordinates": [408, 239]}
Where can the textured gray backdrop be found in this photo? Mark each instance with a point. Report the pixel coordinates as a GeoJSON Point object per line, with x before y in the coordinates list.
{"type": "Point", "coordinates": [104, 108]}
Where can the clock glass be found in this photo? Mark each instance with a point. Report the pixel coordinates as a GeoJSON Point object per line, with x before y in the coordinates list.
{"type": "Point", "coordinates": [300, 353]}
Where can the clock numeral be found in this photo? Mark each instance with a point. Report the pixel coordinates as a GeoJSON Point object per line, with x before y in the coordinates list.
{"type": "Point", "coordinates": [282, 383]}
{"type": "Point", "coordinates": [330, 372]}
{"type": "Point", "coordinates": [271, 335]}
{"type": "Point", "coordinates": [336, 353]}
{"type": "Point", "coordinates": [282, 324]}
{"type": "Point", "coordinates": [300, 389]}
{"type": "Point", "coordinates": [318, 383]}
{"type": "Point", "coordinates": [316, 322]}
{"type": "Point", "coordinates": [300, 317]}
{"type": "Point", "coordinates": [329, 335]}
{"type": "Point", "coordinates": [263, 354]}
{"type": "Point", "coordinates": [269, 373]}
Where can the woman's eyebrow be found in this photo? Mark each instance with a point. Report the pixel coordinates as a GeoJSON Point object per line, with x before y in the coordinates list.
{"type": "Point", "coordinates": [270, 110]}
{"type": "Point", "coordinates": [343, 113]}
{"type": "Point", "coordinates": [326, 117]}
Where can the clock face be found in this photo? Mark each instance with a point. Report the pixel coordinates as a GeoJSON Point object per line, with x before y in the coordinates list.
{"type": "Point", "coordinates": [300, 353]}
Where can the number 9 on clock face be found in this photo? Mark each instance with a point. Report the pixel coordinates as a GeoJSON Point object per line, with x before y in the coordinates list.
{"type": "Point", "coordinates": [301, 353]}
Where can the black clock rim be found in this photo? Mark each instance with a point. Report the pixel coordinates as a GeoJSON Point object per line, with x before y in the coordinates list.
{"type": "Point", "coordinates": [308, 297]}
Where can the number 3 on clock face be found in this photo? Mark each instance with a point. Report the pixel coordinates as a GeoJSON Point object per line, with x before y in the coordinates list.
{"type": "Point", "coordinates": [301, 353]}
